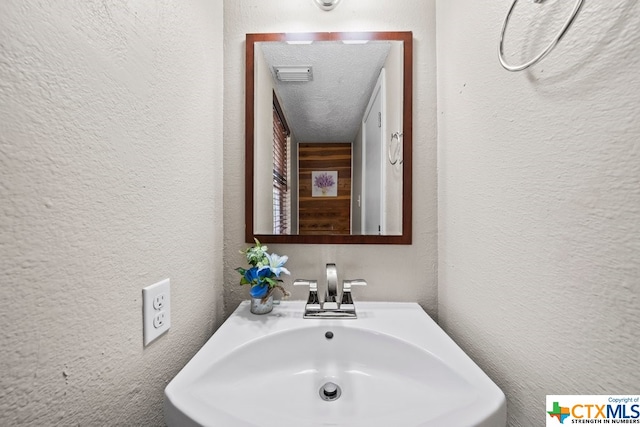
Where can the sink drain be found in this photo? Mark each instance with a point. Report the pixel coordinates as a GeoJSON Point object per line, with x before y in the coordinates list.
{"type": "Point", "coordinates": [330, 392]}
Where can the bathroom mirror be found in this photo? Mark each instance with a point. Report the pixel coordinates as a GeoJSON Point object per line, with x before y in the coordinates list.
{"type": "Point", "coordinates": [328, 128]}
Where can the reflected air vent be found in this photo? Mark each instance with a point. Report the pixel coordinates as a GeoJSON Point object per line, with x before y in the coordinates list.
{"type": "Point", "coordinates": [294, 74]}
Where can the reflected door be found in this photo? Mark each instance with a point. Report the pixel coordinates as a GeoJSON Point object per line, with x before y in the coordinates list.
{"type": "Point", "coordinates": [373, 206]}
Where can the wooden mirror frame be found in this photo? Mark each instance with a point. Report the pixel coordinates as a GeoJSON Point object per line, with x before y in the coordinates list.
{"type": "Point", "coordinates": [402, 239]}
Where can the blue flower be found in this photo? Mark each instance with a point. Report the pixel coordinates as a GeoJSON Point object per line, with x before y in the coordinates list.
{"type": "Point", "coordinates": [276, 263]}
{"type": "Point", "coordinates": [256, 275]}
{"type": "Point", "coordinates": [259, 291]}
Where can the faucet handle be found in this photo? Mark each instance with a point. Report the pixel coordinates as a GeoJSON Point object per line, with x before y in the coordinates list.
{"type": "Point", "coordinates": [312, 284]}
{"type": "Point", "coordinates": [347, 284]}
{"type": "Point", "coordinates": [313, 292]}
{"type": "Point", "coordinates": [346, 289]}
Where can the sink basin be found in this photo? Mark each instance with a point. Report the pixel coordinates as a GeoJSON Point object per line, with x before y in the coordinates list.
{"type": "Point", "coordinates": [391, 366]}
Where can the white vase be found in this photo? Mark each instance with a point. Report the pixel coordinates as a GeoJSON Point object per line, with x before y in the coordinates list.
{"type": "Point", "coordinates": [258, 307]}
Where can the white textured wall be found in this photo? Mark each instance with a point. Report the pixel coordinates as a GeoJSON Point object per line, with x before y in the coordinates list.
{"type": "Point", "coordinates": [263, 145]}
{"type": "Point", "coordinates": [539, 199]}
{"type": "Point", "coordinates": [397, 273]}
{"type": "Point", "coordinates": [110, 180]}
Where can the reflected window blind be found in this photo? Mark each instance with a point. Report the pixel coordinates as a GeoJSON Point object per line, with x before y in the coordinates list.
{"type": "Point", "coordinates": [281, 193]}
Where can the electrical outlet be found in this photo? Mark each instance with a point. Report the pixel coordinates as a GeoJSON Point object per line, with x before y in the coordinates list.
{"type": "Point", "coordinates": [158, 301]}
{"type": "Point", "coordinates": [158, 320]}
{"type": "Point", "coordinates": [156, 314]}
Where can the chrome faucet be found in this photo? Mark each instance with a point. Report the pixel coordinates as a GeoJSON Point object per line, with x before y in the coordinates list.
{"type": "Point", "coordinates": [332, 306]}
{"type": "Point", "coordinates": [331, 295]}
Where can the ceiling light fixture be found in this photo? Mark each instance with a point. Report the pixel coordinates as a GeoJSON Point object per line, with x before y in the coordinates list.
{"type": "Point", "coordinates": [327, 4]}
{"type": "Point", "coordinates": [294, 74]}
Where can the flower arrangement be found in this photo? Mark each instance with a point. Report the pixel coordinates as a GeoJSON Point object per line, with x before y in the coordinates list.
{"type": "Point", "coordinates": [264, 273]}
{"type": "Point", "coordinates": [324, 180]}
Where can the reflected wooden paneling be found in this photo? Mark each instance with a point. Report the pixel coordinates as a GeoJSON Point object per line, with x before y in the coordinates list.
{"type": "Point", "coordinates": [324, 215]}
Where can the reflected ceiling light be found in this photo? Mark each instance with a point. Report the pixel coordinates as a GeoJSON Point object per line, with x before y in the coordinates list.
{"type": "Point", "coordinates": [294, 74]}
{"type": "Point", "coordinates": [355, 41]}
{"type": "Point", "coordinates": [327, 4]}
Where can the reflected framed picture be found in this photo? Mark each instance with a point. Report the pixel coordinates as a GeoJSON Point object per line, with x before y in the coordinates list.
{"type": "Point", "coordinates": [324, 183]}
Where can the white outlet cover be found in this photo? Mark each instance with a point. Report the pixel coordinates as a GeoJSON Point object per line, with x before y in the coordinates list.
{"type": "Point", "coordinates": [155, 292]}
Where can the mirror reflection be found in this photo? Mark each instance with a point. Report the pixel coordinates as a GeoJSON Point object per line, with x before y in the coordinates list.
{"type": "Point", "coordinates": [328, 138]}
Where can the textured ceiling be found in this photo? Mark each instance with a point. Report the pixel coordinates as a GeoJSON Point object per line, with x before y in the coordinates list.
{"type": "Point", "coordinates": [330, 107]}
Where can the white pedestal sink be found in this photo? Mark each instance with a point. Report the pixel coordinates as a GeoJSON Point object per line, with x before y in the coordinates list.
{"type": "Point", "coordinates": [393, 366]}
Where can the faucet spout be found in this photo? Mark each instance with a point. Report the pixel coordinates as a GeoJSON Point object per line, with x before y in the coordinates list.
{"type": "Point", "coordinates": [332, 283]}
